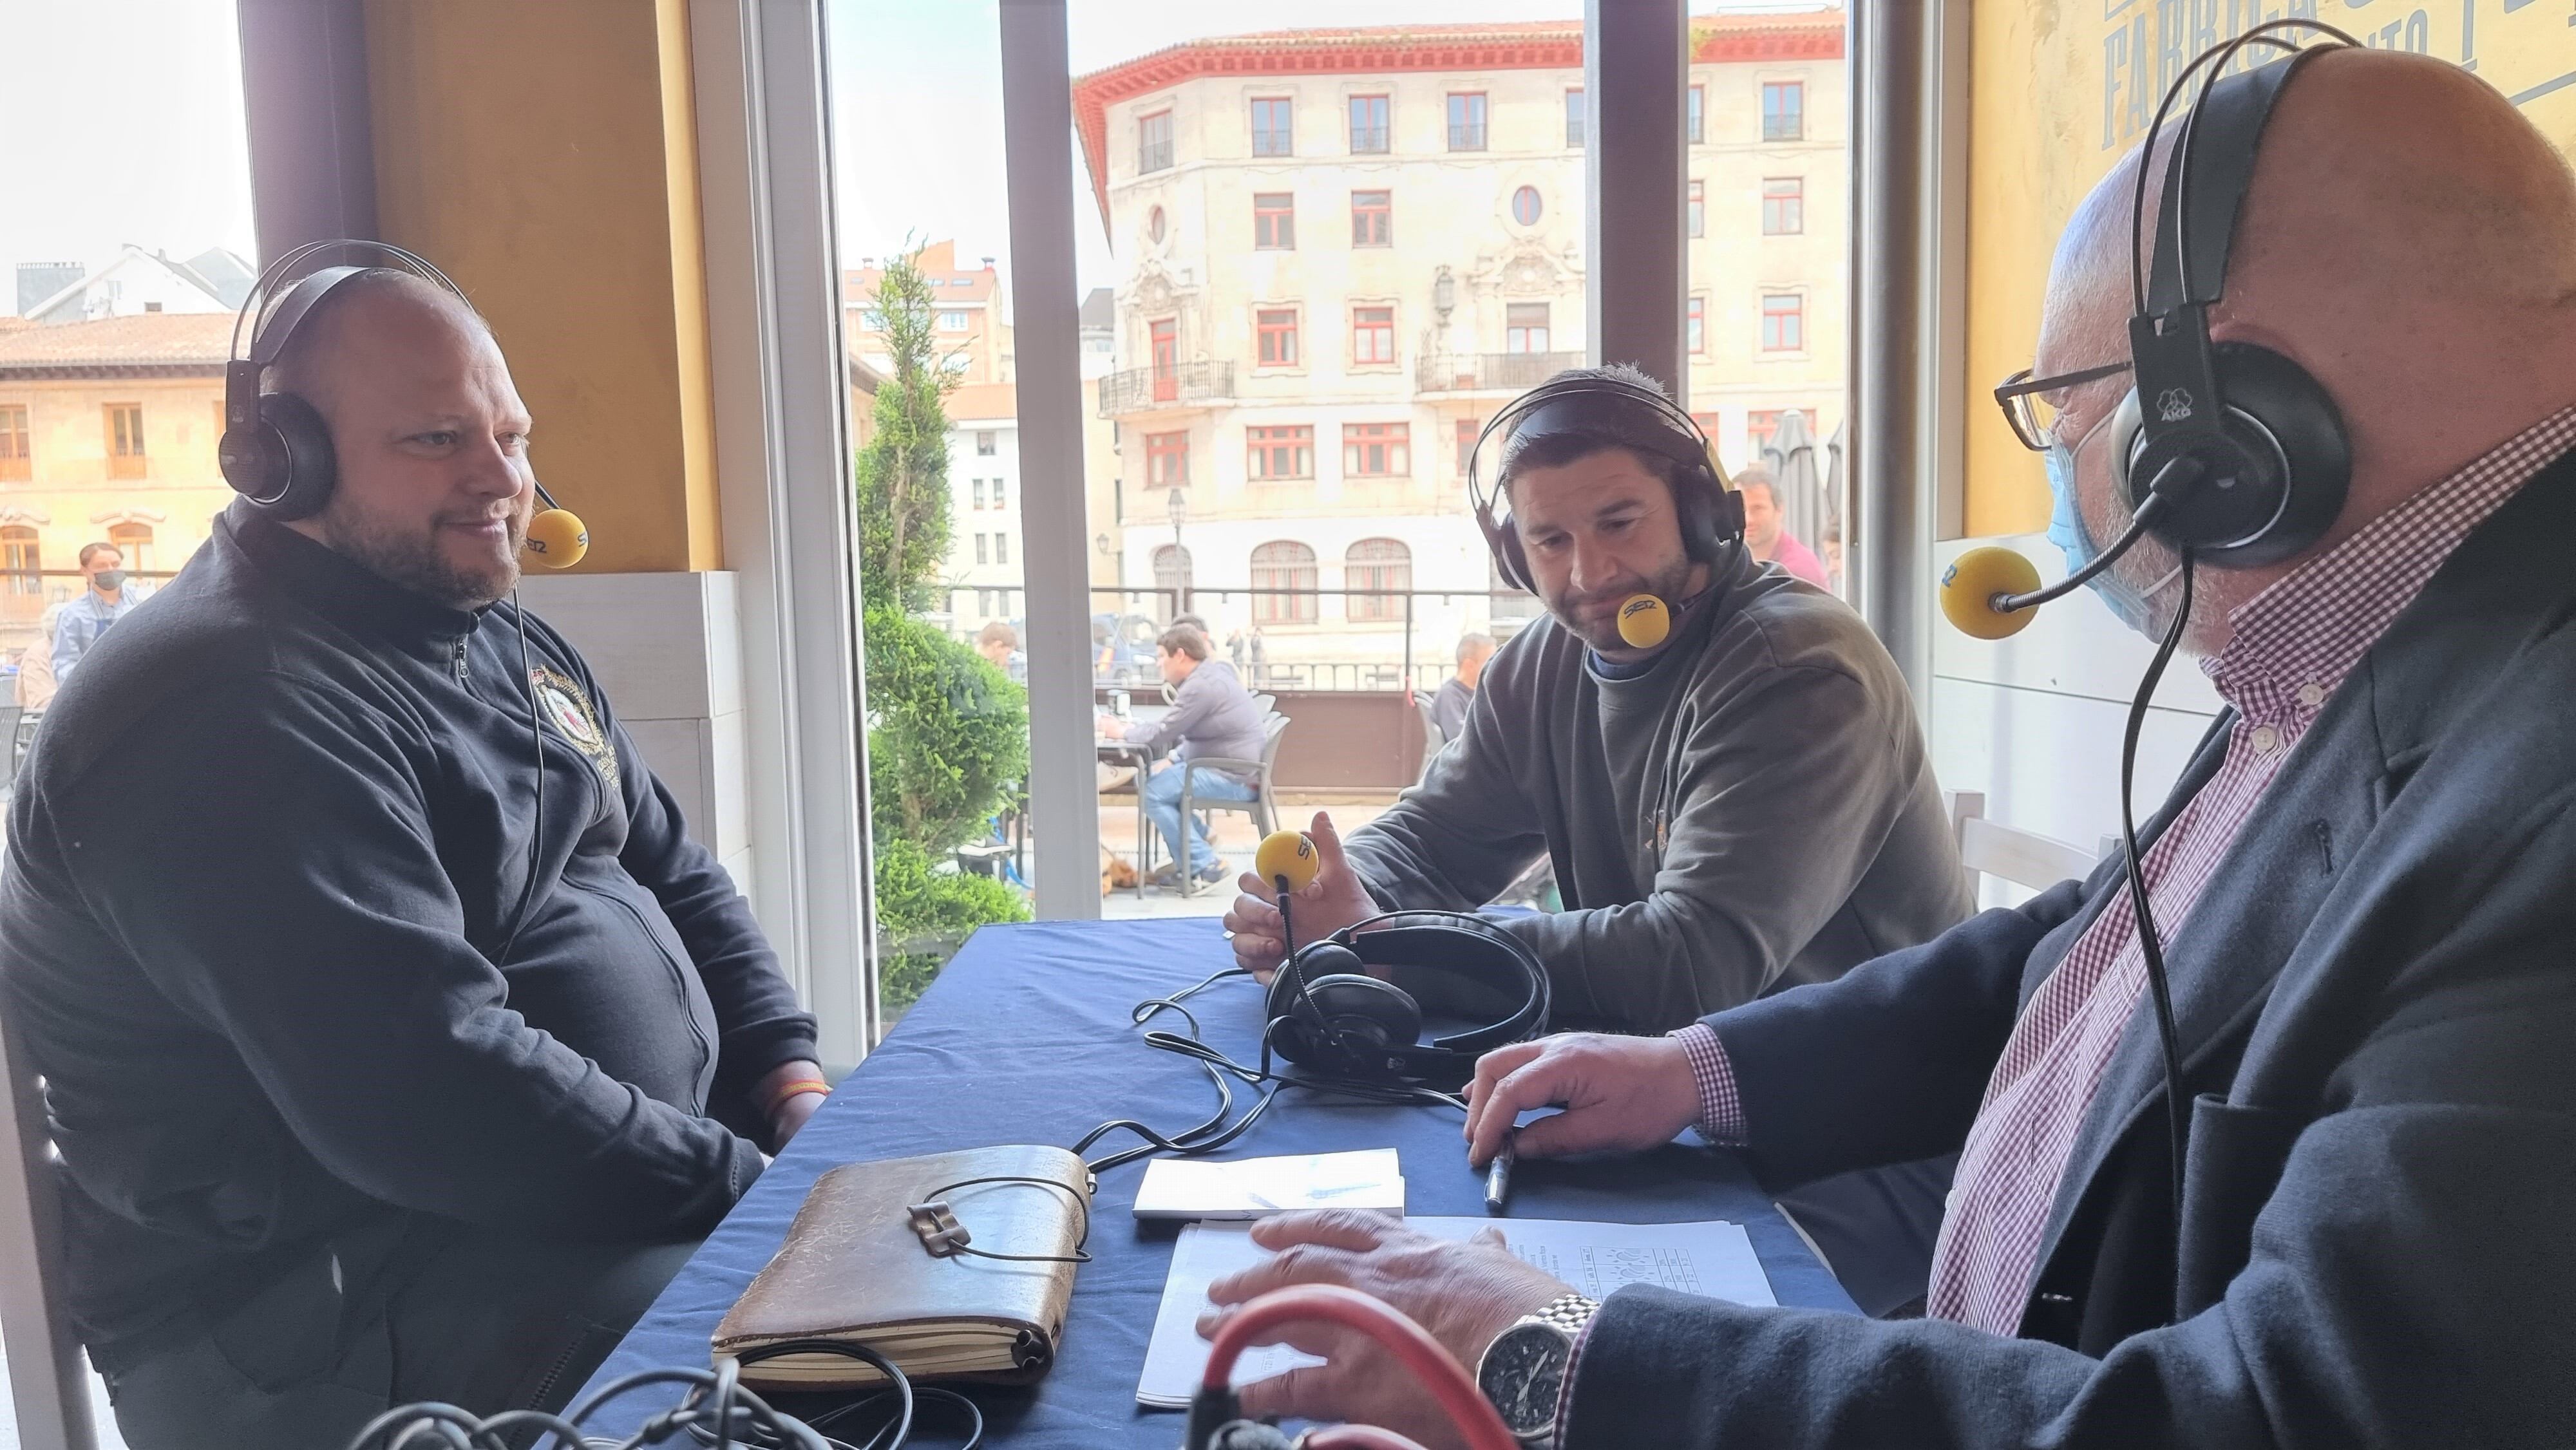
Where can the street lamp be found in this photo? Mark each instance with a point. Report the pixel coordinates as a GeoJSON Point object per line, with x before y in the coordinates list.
{"type": "Point", "coordinates": [1179, 508]}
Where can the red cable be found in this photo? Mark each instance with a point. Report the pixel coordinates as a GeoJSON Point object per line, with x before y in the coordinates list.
{"type": "Point", "coordinates": [1437, 1369]}
{"type": "Point", "coordinates": [1358, 1437]}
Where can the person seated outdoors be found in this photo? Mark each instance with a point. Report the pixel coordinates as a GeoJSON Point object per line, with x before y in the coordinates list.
{"type": "Point", "coordinates": [2361, 881]}
{"type": "Point", "coordinates": [1212, 714]}
{"type": "Point", "coordinates": [366, 1093]}
{"type": "Point", "coordinates": [1770, 540]}
{"type": "Point", "coordinates": [999, 644]}
{"type": "Point", "coordinates": [1743, 808]}
{"type": "Point", "coordinates": [1449, 703]}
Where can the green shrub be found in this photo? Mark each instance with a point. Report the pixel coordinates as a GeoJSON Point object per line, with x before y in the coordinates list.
{"type": "Point", "coordinates": [931, 911]}
{"type": "Point", "coordinates": [950, 737]}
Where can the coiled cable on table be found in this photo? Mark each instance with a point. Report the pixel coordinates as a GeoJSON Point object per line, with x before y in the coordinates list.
{"type": "Point", "coordinates": [717, 1412]}
{"type": "Point", "coordinates": [1223, 1072]}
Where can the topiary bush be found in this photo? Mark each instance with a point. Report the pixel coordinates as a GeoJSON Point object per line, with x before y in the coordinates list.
{"type": "Point", "coordinates": [951, 734]}
{"type": "Point", "coordinates": [923, 914]}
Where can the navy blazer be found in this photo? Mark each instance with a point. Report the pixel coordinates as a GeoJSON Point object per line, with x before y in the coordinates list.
{"type": "Point", "coordinates": [2376, 997]}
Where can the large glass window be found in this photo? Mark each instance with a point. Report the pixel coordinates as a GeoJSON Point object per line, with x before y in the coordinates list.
{"type": "Point", "coordinates": [1273, 126]}
{"type": "Point", "coordinates": [1784, 322]}
{"type": "Point", "coordinates": [1284, 583]}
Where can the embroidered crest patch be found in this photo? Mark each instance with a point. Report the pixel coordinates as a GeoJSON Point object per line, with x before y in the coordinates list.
{"type": "Point", "coordinates": [568, 710]}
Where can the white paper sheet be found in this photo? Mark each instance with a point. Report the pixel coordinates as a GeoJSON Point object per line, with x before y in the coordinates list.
{"type": "Point", "coordinates": [1712, 1258]}
{"type": "Point", "coordinates": [1258, 1187]}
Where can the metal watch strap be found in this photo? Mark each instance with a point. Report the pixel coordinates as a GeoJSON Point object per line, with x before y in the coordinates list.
{"type": "Point", "coordinates": [1567, 1314]}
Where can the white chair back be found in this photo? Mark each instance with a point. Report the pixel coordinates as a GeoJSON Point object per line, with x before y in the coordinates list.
{"type": "Point", "coordinates": [2024, 858]}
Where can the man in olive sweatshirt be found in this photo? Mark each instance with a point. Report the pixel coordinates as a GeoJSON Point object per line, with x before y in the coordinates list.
{"type": "Point", "coordinates": [1743, 808]}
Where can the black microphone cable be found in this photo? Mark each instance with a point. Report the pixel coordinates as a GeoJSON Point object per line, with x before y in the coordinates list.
{"type": "Point", "coordinates": [2149, 944]}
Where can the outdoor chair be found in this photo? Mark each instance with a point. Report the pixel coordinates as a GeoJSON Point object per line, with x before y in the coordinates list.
{"type": "Point", "coordinates": [2024, 858]}
{"type": "Point", "coordinates": [1264, 805]}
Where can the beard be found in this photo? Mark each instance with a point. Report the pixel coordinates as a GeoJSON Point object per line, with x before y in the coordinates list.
{"type": "Point", "coordinates": [420, 555]}
{"type": "Point", "coordinates": [1593, 615]}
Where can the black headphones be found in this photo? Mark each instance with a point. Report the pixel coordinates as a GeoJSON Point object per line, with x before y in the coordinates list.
{"type": "Point", "coordinates": [1327, 1014]}
{"type": "Point", "coordinates": [2245, 449]}
{"type": "Point", "coordinates": [276, 449]}
{"type": "Point", "coordinates": [1711, 513]}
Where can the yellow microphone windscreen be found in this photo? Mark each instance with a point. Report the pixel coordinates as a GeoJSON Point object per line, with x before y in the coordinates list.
{"type": "Point", "coordinates": [1970, 586]}
{"type": "Point", "coordinates": [557, 538]}
{"type": "Point", "coordinates": [1644, 621]}
{"type": "Point", "coordinates": [1285, 853]}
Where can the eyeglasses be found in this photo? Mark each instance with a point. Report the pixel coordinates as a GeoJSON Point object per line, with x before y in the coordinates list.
{"type": "Point", "coordinates": [2024, 400]}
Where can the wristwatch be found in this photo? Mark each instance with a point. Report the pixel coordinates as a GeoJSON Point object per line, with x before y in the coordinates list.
{"type": "Point", "coordinates": [1523, 1370]}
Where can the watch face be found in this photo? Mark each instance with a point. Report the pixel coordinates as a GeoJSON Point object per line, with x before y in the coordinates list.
{"type": "Point", "coordinates": [1522, 1374]}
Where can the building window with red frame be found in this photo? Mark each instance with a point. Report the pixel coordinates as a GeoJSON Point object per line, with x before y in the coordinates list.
{"type": "Point", "coordinates": [1695, 326]}
{"type": "Point", "coordinates": [1784, 322]}
{"type": "Point", "coordinates": [1375, 564]}
{"type": "Point", "coordinates": [1283, 565]}
{"type": "Point", "coordinates": [1373, 336]}
{"type": "Point", "coordinates": [1278, 451]}
{"type": "Point", "coordinates": [1167, 460]}
{"type": "Point", "coordinates": [1274, 332]}
{"type": "Point", "coordinates": [1274, 221]}
{"type": "Point", "coordinates": [1372, 219]}
{"type": "Point", "coordinates": [1154, 141]}
{"type": "Point", "coordinates": [1784, 206]}
{"type": "Point", "coordinates": [1377, 450]}
{"type": "Point", "coordinates": [1273, 126]}
{"type": "Point", "coordinates": [1469, 430]}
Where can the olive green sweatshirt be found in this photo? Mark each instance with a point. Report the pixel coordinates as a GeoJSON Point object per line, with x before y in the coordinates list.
{"type": "Point", "coordinates": [1752, 811]}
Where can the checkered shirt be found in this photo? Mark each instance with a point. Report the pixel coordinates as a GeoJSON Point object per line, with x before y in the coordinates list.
{"type": "Point", "coordinates": [2288, 650]}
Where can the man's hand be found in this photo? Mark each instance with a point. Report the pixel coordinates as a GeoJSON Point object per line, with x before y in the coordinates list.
{"type": "Point", "coordinates": [1629, 1093]}
{"type": "Point", "coordinates": [1110, 727]}
{"type": "Point", "coordinates": [1465, 1294]}
{"type": "Point", "coordinates": [1333, 900]}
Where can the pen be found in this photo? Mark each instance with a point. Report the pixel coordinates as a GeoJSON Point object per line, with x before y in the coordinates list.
{"type": "Point", "coordinates": [1498, 1176]}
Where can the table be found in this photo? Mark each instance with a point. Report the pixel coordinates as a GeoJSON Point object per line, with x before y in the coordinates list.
{"type": "Point", "coordinates": [1025, 1039]}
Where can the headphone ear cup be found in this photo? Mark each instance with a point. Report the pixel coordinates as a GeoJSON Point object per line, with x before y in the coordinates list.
{"type": "Point", "coordinates": [290, 462]}
{"type": "Point", "coordinates": [1507, 542]}
{"type": "Point", "coordinates": [2276, 482]}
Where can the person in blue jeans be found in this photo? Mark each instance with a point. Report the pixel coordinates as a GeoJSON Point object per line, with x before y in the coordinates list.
{"type": "Point", "coordinates": [1212, 715]}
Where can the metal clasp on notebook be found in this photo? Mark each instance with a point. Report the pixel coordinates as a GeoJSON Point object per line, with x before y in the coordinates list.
{"type": "Point", "coordinates": [940, 1231]}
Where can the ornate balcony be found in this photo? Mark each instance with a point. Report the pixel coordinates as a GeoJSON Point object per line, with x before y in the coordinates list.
{"type": "Point", "coordinates": [1475, 372]}
{"type": "Point", "coordinates": [1181, 385]}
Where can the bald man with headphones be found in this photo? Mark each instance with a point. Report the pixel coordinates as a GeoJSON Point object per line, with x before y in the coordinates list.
{"type": "Point", "coordinates": [399, 1042]}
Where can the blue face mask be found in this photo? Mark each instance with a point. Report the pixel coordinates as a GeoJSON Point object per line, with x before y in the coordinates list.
{"type": "Point", "coordinates": [2129, 604]}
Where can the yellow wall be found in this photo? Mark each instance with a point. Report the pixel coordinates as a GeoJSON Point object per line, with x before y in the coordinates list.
{"type": "Point", "coordinates": [544, 156]}
{"type": "Point", "coordinates": [2058, 95]}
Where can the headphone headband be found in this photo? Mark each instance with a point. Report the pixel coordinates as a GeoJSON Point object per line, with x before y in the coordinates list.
{"type": "Point", "coordinates": [1353, 1025]}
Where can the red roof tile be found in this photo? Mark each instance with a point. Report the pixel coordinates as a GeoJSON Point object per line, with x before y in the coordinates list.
{"type": "Point", "coordinates": [157, 340]}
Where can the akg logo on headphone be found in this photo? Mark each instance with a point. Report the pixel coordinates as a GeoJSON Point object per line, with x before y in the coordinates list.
{"type": "Point", "coordinates": [2173, 405]}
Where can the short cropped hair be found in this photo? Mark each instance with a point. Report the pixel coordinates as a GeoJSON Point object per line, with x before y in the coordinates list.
{"type": "Point", "coordinates": [295, 369]}
{"type": "Point", "coordinates": [1468, 645]}
{"type": "Point", "coordinates": [92, 551]}
{"type": "Point", "coordinates": [1555, 450]}
{"type": "Point", "coordinates": [999, 633]}
{"type": "Point", "coordinates": [1183, 639]}
{"type": "Point", "coordinates": [1754, 475]}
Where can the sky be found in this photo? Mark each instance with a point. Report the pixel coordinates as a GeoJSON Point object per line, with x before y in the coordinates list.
{"type": "Point", "coordinates": [130, 130]}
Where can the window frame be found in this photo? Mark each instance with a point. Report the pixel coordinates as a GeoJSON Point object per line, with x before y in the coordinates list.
{"type": "Point", "coordinates": [1274, 321]}
{"type": "Point", "coordinates": [988, 443]}
{"type": "Point", "coordinates": [124, 462]}
{"type": "Point", "coordinates": [1377, 450]}
{"type": "Point", "coordinates": [18, 443]}
{"type": "Point", "coordinates": [1695, 325]}
{"type": "Point", "coordinates": [1789, 207]}
{"type": "Point", "coordinates": [1796, 112]}
{"type": "Point", "coordinates": [1376, 585]}
{"type": "Point", "coordinates": [1381, 129]}
{"type": "Point", "coordinates": [1306, 575]}
{"type": "Point", "coordinates": [1695, 209]}
{"type": "Point", "coordinates": [1516, 335]}
{"type": "Point", "coordinates": [1382, 212]}
{"type": "Point", "coordinates": [1478, 126]}
{"type": "Point", "coordinates": [1577, 125]}
{"type": "Point", "coordinates": [1146, 141]}
{"type": "Point", "coordinates": [1161, 449]}
{"type": "Point", "coordinates": [1695, 117]}
{"type": "Point", "coordinates": [1467, 431]}
{"type": "Point", "coordinates": [22, 556]}
{"type": "Point", "coordinates": [1774, 339]}
{"type": "Point", "coordinates": [1276, 213]}
{"type": "Point", "coordinates": [1282, 134]}
{"type": "Point", "coordinates": [1262, 445]}
{"type": "Point", "coordinates": [1373, 338]}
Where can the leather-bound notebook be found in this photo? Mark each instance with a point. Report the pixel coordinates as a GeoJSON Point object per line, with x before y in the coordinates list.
{"type": "Point", "coordinates": [860, 1265]}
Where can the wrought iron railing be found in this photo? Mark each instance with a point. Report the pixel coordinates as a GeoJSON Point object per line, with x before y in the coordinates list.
{"type": "Point", "coordinates": [1138, 389]}
{"type": "Point", "coordinates": [1497, 371]}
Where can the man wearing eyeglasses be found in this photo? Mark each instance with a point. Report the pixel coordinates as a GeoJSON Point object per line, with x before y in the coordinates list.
{"type": "Point", "coordinates": [2361, 883]}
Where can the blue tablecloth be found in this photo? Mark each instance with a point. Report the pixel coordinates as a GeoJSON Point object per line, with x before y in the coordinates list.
{"type": "Point", "coordinates": [1025, 1039]}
